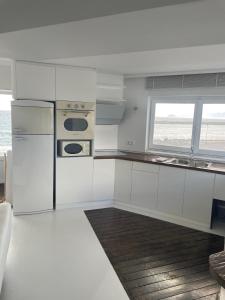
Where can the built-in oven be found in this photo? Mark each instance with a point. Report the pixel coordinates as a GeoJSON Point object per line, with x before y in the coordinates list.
{"type": "Point", "coordinates": [75, 120]}
{"type": "Point", "coordinates": [74, 148]}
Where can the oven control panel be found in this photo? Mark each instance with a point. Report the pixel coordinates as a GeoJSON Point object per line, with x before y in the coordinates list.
{"type": "Point", "coordinates": [75, 105]}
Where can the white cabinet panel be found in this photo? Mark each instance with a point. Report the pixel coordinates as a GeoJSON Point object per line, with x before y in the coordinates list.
{"type": "Point", "coordinates": [171, 190]}
{"type": "Point", "coordinates": [34, 81]}
{"type": "Point", "coordinates": [123, 181]}
{"type": "Point", "coordinates": [74, 180]}
{"type": "Point", "coordinates": [110, 87]}
{"type": "Point", "coordinates": [145, 167]}
{"type": "Point", "coordinates": [104, 179]}
{"type": "Point", "coordinates": [219, 189]}
{"type": "Point", "coordinates": [198, 196]}
{"type": "Point", "coordinates": [144, 189]}
{"type": "Point", "coordinates": [75, 84]}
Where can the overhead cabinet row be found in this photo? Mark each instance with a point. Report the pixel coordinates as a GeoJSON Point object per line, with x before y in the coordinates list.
{"type": "Point", "coordinates": [50, 82]}
{"type": "Point", "coordinates": [56, 82]}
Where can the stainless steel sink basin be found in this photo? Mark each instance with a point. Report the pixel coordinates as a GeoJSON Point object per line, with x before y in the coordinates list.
{"type": "Point", "coordinates": [201, 164]}
{"type": "Point", "coordinates": [190, 163]}
{"type": "Point", "coordinates": [181, 161]}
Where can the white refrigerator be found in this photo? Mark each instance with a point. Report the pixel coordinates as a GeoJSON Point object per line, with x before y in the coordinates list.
{"type": "Point", "coordinates": [32, 156]}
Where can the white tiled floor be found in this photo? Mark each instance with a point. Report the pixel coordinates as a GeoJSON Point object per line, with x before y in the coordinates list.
{"type": "Point", "coordinates": [56, 256]}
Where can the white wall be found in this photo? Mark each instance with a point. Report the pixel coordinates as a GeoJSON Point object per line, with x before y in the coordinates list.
{"type": "Point", "coordinates": [106, 137]}
{"type": "Point", "coordinates": [5, 77]}
{"type": "Point", "coordinates": [133, 126]}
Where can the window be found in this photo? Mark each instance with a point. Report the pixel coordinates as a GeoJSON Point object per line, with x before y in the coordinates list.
{"type": "Point", "coordinates": [195, 125]}
{"type": "Point", "coordinates": [213, 127]}
{"type": "Point", "coordinates": [173, 124]}
{"type": "Point", "coordinates": [5, 123]}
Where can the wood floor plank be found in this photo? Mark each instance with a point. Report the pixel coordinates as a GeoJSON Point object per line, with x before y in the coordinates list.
{"type": "Point", "coordinates": [156, 259]}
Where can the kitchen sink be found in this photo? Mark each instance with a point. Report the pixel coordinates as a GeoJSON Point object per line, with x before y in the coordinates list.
{"type": "Point", "coordinates": [181, 161]}
{"type": "Point", "coordinates": [201, 164]}
{"type": "Point", "coordinates": [190, 163]}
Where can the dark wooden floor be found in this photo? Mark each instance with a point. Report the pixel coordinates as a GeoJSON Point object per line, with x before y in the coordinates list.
{"type": "Point", "coordinates": [156, 259]}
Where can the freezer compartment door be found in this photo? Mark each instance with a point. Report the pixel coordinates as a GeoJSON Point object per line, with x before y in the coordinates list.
{"type": "Point", "coordinates": [32, 120]}
{"type": "Point", "coordinates": [32, 173]}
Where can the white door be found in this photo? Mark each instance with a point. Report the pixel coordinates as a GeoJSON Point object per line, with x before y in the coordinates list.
{"type": "Point", "coordinates": [144, 189]}
{"type": "Point", "coordinates": [32, 120]}
{"type": "Point", "coordinates": [171, 190]}
{"type": "Point", "coordinates": [104, 179]}
{"type": "Point", "coordinates": [198, 196]}
{"type": "Point", "coordinates": [75, 84]}
{"type": "Point", "coordinates": [219, 190]}
{"type": "Point", "coordinates": [34, 81]}
{"type": "Point", "coordinates": [32, 173]}
{"type": "Point", "coordinates": [123, 181]}
{"type": "Point", "coordinates": [74, 181]}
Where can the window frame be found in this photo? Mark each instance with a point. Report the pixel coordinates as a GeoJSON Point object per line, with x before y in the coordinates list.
{"type": "Point", "coordinates": [198, 101]}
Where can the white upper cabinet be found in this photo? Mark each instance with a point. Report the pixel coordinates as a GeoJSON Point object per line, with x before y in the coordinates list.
{"type": "Point", "coordinates": [34, 81]}
{"type": "Point", "coordinates": [123, 181]}
{"type": "Point", "coordinates": [219, 189]}
{"type": "Point", "coordinates": [171, 190]}
{"type": "Point", "coordinates": [110, 87]}
{"type": "Point", "coordinates": [198, 195]}
{"type": "Point", "coordinates": [75, 84]}
{"type": "Point", "coordinates": [104, 177]}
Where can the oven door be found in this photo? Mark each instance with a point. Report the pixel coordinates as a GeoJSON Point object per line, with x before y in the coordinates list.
{"type": "Point", "coordinates": [74, 148]}
{"type": "Point", "coordinates": [75, 125]}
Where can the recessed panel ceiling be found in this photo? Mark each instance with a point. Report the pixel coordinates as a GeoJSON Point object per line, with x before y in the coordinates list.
{"type": "Point", "coordinates": [23, 14]}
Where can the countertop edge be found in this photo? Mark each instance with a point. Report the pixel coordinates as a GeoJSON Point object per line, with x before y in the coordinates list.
{"type": "Point", "coordinates": [131, 157]}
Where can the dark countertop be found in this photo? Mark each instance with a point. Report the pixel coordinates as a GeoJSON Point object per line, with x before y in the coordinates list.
{"type": "Point", "coordinates": [217, 267]}
{"type": "Point", "coordinates": [217, 168]}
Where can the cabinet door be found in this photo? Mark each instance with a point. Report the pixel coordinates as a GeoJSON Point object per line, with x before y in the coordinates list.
{"type": "Point", "coordinates": [34, 81]}
{"type": "Point", "coordinates": [171, 190]}
{"type": "Point", "coordinates": [104, 177]}
{"type": "Point", "coordinates": [74, 180]}
{"type": "Point", "coordinates": [198, 194]}
{"type": "Point", "coordinates": [144, 189]}
{"type": "Point", "coordinates": [219, 189]}
{"type": "Point", "coordinates": [123, 181]}
{"type": "Point", "coordinates": [75, 84]}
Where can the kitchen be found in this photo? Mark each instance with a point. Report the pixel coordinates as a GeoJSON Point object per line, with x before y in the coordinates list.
{"type": "Point", "coordinates": [110, 170]}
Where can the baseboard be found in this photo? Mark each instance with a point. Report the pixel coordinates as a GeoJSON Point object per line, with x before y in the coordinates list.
{"type": "Point", "coordinates": [162, 216]}
{"type": "Point", "coordinates": [86, 205]}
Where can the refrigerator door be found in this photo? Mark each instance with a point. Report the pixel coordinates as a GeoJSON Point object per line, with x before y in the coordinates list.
{"type": "Point", "coordinates": [32, 118]}
{"type": "Point", "coordinates": [32, 173]}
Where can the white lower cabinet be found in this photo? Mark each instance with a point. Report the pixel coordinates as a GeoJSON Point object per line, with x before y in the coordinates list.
{"type": "Point", "coordinates": [104, 177]}
{"type": "Point", "coordinates": [74, 181]}
{"type": "Point", "coordinates": [219, 189]}
{"type": "Point", "coordinates": [171, 190]}
{"type": "Point", "coordinates": [198, 195]}
{"type": "Point", "coordinates": [144, 189]}
{"type": "Point", "coordinates": [123, 181]}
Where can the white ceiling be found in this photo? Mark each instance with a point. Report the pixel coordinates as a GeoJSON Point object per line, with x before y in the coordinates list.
{"type": "Point", "coordinates": [23, 14]}
{"type": "Point", "coordinates": [170, 61]}
{"type": "Point", "coordinates": [170, 39]}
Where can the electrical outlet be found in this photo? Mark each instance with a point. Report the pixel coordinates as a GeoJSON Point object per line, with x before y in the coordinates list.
{"type": "Point", "coordinates": [130, 143]}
